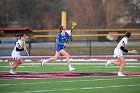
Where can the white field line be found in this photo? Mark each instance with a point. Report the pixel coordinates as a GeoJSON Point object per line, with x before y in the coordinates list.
{"type": "Point", "coordinates": [82, 88]}
{"type": "Point", "coordinates": [71, 56]}
{"type": "Point", "coordinates": [66, 81]}
{"type": "Point", "coordinates": [101, 64]}
{"type": "Point", "coordinates": [76, 63]}
{"type": "Point", "coordinates": [84, 67]}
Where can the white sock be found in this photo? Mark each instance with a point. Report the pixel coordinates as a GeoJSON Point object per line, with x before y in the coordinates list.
{"type": "Point", "coordinates": [119, 72]}
{"type": "Point", "coordinates": [11, 70]}
{"type": "Point", "coordinates": [110, 62]}
{"type": "Point", "coordinates": [69, 66]}
{"type": "Point", "coordinates": [46, 60]}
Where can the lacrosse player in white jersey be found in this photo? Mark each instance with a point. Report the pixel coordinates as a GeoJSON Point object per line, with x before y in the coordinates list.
{"type": "Point", "coordinates": [118, 53]}
{"type": "Point", "coordinates": [19, 46]}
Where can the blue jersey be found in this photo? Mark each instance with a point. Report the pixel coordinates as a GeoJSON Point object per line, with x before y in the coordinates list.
{"type": "Point", "coordinates": [62, 39]}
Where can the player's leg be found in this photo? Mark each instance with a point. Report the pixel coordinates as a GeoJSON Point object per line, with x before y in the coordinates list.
{"type": "Point", "coordinates": [11, 64]}
{"type": "Point", "coordinates": [118, 62]}
{"type": "Point", "coordinates": [15, 65]}
{"type": "Point", "coordinates": [122, 65]}
{"type": "Point", "coordinates": [64, 53]}
{"type": "Point", "coordinates": [116, 55]}
{"type": "Point", "coordinates": [57, 54]}
{"type": "Point", "coordinates": [13, 54]}
{"type": "Point", "coordinates": [17, 61]}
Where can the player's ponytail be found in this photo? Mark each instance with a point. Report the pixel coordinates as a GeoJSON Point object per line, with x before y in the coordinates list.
{"type": "Point", "coordinates": [127, 34]}
{"type": "Point", "coordinates": [60, 28]}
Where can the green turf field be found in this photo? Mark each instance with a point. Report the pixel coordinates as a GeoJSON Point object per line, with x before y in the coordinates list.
{"type": "Point", "coordinates": [97, 84]}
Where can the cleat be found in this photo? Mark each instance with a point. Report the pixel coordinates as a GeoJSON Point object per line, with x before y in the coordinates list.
{"type": "Point", "coordinates": [71, 68]}
{"type": "Point", "coordinates": [107, 63]}
{"type": "Point", "coordinates": [12, 72]}
{"type": "Point", "coordinates": [121, 74]}
{"type": "Point", "coordinates": [43, 62]}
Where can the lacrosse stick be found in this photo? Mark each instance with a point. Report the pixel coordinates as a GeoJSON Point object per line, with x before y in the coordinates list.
{"type": "Point", "coordinates": [27, 52]}
{"type": "Point", "coordinates": [74, 24]}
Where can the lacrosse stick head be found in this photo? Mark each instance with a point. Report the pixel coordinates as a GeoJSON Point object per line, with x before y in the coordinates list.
{"type": "Point", "coordinates": [135, 52]}
{"type": "Point", "coordinates": [74, 24]}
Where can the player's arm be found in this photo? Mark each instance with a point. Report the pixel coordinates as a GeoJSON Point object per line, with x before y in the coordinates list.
{"type": "Point", "coordinates": [128, 51]}
{"type": "Point", "coordinates": [24, 46]}
{"type": "Point", "coordinates": [17, 49]}
{"type": "Point", "coordinates": [123, 49]}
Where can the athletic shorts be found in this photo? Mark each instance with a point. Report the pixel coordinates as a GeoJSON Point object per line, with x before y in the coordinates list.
{"type": "Point", "coordinates": [16, 55]}
{"type": "Point", "coordinates": [58, 48]}
{"type": "Point", "coordinates": [117, 53]}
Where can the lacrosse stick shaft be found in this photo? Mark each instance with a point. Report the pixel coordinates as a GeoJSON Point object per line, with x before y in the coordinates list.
{"type": "Point", "coordinates": [26, 49]}
{"type": "Point", "coordinates": [27, 52]}
{"type": "Point", "coordinates": [71, 32]}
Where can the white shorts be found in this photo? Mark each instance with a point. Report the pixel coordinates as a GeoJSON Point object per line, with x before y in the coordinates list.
{"type": "Point", "coordinates": [15, 55]}
{"type": "Point", "coordinates": [117, 53]}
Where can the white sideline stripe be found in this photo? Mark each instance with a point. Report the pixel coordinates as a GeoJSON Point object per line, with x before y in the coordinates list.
{"type": "Point", "coordinates": [88, 67]}
{"type": "Point", "coordinates": [76, 63]}
{"type": "Point", "coordinates": [91, 60]}
{"type": "Point", "coordinates": [83, 88]}
{"type": "Point", "coordinates": [71, 56]}
{"type": "Point", "coordinates": [95, 60]}
{"type": "Point", "coordinates": [38, 64]}
{"type": "Point", "coordinates": [63, 81]}
{"type": "Point", "coordinates": [102, 64]}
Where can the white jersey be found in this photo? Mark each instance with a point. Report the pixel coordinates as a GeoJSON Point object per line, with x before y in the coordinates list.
{"type": "Point", "coordinates": [123, 42]}
{"type": "Point", "coordinates": [19, 44]}
{"type": "Point", "coordinates": [16, 54]}
{"type": "Point", "coordinates": [118, 52]}
{"type": "Point", "coordinates": [69, 32]}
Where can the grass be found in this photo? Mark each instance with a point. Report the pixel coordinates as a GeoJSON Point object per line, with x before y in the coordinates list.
{"type": "Point", "coordinates": [98, 84]}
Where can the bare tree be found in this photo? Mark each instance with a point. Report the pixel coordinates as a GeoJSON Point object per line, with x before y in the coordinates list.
{"type": "Point", "coordinates": [46, 14]}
